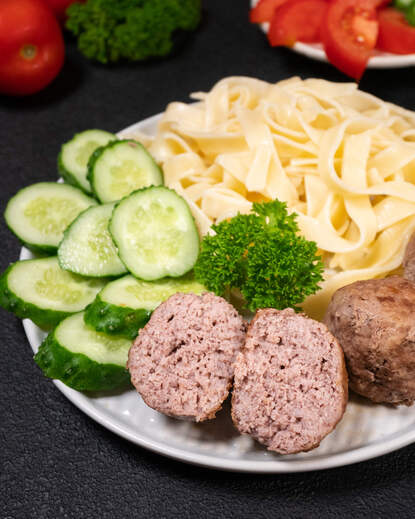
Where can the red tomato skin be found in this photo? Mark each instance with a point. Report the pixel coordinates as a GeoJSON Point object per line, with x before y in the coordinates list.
{"type": "Point", "coordinates": [264, 10]}
{"type": "Point", "coordinates": [28, 23]}
{"type": "Point", "coordinates": [59, 7]}
{"type": "Point", "coordinates": [342, 48]}
{"type": "Point", "coordinates": [396, 35]}
{"type": "Point", "coordinates": [297, 20]}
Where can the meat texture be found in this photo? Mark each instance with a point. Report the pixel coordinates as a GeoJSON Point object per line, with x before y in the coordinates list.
{"type": "Point", "coordinates": [409, 260]}
{"type": "Point", "coordinates": [182, 362]}
{"type": "Point", "coordinates": [290, 386]}
{"type": "Point", "coordinates": [374, 321]}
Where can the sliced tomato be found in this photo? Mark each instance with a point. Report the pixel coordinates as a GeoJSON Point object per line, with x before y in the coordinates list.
{"type": "Point", "coordinates": [297, 20]}
{"type": "Point", "coordinates": [264, 10]}
{"type": "Point", "coordinates": [396, 35]}
{"type": "Point", "coordinates": [349, 33]}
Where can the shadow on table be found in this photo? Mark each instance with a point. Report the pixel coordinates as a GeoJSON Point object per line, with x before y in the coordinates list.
{"type": "Point", "coordinates": [69, 80]}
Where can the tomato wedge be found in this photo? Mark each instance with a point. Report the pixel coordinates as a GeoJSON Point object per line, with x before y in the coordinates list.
{"type": "Point", "coordinates": [395, 33]}
{"type": "Point", "coordinates": [297, 20]}
{"type": "Point", "coordinates": [264, 10]}
{"type": "Point", "coordinates": [349, 34]}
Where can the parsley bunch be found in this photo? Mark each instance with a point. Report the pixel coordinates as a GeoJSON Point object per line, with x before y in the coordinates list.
{"type": "Point", "coordinates": [261, 254]}
{"type": "Point", "coordinates": [133, 30]}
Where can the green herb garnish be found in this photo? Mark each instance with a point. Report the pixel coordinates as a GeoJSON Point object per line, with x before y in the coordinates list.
{"type": "Point", "coordinates": [111, 30]}
{"type": "Point", "coordinates": [262, 255]}
{"type": "Point", "coordinates": [408, 8]}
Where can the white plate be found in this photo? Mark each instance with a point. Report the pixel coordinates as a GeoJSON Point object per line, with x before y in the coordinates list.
{"type": "Point", "coordinates": [366, 430]}
{"type": "Point", "coordinates": [379, 60]}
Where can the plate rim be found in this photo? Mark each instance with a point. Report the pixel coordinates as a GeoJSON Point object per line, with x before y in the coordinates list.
{"type": "Point", "coordinates": [326, 461]}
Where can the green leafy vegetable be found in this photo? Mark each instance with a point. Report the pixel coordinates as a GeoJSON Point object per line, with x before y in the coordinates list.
{"type": "Point", "coordinates": [110, 30]}
{"type": "Point", "coordinates": [408, 8]}
{"type": "Point", "coordinates": [262, 255]}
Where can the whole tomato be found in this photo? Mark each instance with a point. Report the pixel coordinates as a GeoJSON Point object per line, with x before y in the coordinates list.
{"type": "Point", "coordinates": [31, 46]}
{"type": "Point", "coordinates": [59, 7]}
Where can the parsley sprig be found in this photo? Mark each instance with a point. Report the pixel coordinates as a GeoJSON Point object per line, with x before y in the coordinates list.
{"type": "Point", "coordinates": [263, 255]}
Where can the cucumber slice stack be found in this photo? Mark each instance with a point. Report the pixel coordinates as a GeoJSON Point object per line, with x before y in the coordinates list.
{"type": "Point", "coordinates": [41, 291]}
{"type": "Point", "coordinates": [83, 358]}
{"type": "Point", "coordinates": [148, 233]}
{"type": "Point", "coordinates": [125, 305]}
{"type": "Point", "coordinates": [75, 154]}
{"type": "Point", "coordinates": [39, 214]}
{"type": "Point", "coordinates": [120, 168]}
{"type": "Point", "coordinates": [87, 247]}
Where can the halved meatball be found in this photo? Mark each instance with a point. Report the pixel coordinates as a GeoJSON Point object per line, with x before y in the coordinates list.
{"type": "Point", "coordinates": [374, 321]}
{"type": "Point", "coordinates": [290, 386]}
{"type": "Point", "coordinates": [182, 362]}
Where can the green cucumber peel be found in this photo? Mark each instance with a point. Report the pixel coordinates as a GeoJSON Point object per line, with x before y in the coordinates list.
{"type": "Point", "coordinates": [115, 320]}
{"type": "Point", "coordinates": [78, 371]}
{"type": "Point", "coordinates": [44, 318]}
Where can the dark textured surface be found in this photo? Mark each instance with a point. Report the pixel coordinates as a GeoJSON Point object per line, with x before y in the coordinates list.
{"type": "Point", "coordinates": [54, 460]}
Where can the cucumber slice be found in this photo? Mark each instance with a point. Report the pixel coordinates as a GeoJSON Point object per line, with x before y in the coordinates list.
{"type": "Point", "coordinates": [155, 233]}
{"type": "Point", "coordinates": [125, 305]}
{"type": "Point", "coordinates": [87, 247]}
{"type": "Point", "coordinates": [120, 168]}
{"type": "Point", "coordinates": [74, 155]}
{"type": "Point", "coordinates": [83, 358]}
{"type": "Point", "coordinates": [38, 214]}
{"type": "Point", "coordinates": [41, 291]}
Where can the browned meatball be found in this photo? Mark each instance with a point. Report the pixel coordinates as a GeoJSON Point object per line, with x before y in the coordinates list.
{"type": "Point", "coordinates": [409, 260]}
{"type": "Point", "coordinates": [374, 321]}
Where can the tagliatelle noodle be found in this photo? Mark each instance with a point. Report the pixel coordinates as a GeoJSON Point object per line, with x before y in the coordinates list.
{"type": "Point", "coordinates": [342, 159]}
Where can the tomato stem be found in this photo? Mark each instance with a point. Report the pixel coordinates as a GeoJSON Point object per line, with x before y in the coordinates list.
{"type": "Point", "coordinates": [28, 51]}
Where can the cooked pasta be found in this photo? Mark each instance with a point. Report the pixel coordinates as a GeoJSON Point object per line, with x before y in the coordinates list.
{"type": "Point", "coordinates": [342, 159]}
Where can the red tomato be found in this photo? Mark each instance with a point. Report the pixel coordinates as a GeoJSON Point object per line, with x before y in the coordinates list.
{"type": "Point", "coordinates": [349, 33]}
{"type": "Point", "coordinates": [31, 46]}
{"type": "Point", "coordinates": [381, 3]}
{"type": "Point", "coordinates": [395, 33]}
{"type": "Point", "coordinates": [297, 20]}
{"type": "Point", "coordinates": [264, 10]}
{"type": "Point", "coordinates": [59, 7]}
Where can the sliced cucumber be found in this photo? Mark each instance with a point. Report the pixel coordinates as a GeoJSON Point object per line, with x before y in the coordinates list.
{"type": "Point", "coordinates": [120, 168]}
{"type": "Point", "coordinates": [155, 233]}
{"type": "Point", "coordinates": [125, 305]}
{"type": "Point", "coordinates": [74, 155]}
{"type": "Point", "coordinates": [83, 358]}
{"type": "Point", "coordinates": [38, 214]}
{"type": "Point", "coordinates": [41, 291]}
{"type": "Point", "coordinates": [87, 247]}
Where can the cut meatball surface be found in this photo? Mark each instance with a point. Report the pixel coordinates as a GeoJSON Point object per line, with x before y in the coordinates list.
{"type": "Point", "coordinates": [182, 362]}
{"type": "Point", "coordinates": [374, 321]}
{"type": "Point", "coordinates": [290, 386]}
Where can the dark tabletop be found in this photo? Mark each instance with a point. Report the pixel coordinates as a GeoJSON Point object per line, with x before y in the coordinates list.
{"type": "Point", "coordinates": [56, 461]}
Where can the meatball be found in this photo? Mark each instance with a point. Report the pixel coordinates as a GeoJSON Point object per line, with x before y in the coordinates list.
{"type": "Point", "coordinates": [409, 260]}
{"type": "Point", "coordinates": [374, 321]}
{"type": "Point", "coordinates": [290, 386]}
{"type": "Point", "coordinates": [182, 362]}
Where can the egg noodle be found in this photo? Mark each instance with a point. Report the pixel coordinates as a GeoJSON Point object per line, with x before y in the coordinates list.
{"type": "Point", "coordinates": [342, 159]}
